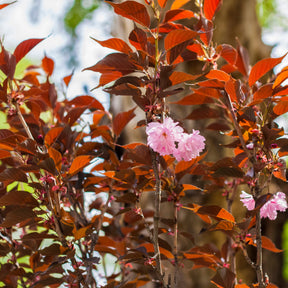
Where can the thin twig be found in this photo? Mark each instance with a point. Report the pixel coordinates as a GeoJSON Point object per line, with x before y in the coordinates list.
{"type": "Point", "coordinates": [23, 122]}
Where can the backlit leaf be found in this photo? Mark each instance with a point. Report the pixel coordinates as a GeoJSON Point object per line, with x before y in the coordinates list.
{"type": "Point", "coordinates": [162, 3]}
{"type": "Point", "coordinates": [228, 53]}
{"type": "Point", "coordinates": [178, 4]}
{"type": "Point", "coordinates": [132, 10]}
{"type": "Point", "coordinates": [79, 163]}
{"type": "Point", "coordinates": [57, 158]}
{"type": "Point", "coordinates": [67, 79]}
{"type": "Point", "coordinates": [52, 135]}
{"type": "Point", "coordinates": [218, 74]}
{"type": "Point", "coordinates": [266, 243]}
{"type": "Point", "coordinates": [177, 37]}
{"type": "Point", "coordinates": [232, 87]}
{"type": "Point", "coordinates": [73, 115]}
{"type": "Point", "coordinates": [178, 77]}
{"type": "Point", "coordinates": [121, 120]}
{"type": "Point", "coordinates": [178, 14]}
{"type": "Point", "coordinates": [263, 92]}
{"type": "Point", "coordinates": [281, 77]}
{"type": "Point", "coordinates": [281, 108]}
{"type": "Point", "coordinates": [5, 5]}
{"type": "Point", "coordinates": [25, 47]}
{"type": "Point", "coordinates": [48, 65]}
{"type": "Point", "coordinates": [211, 7]}
{"type": "Point", "coordinates": [262, 67]}
{"type": "Point", "coordinates": [216, 212]}
{"type": "Point", "coordinates": [116, 44]}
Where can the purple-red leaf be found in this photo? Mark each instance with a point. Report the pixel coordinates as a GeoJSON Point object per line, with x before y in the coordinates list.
{"type": "Point", "coordinates": [132, 10]}
{"type": "Point", "coordinates": [25, 47]}
{"type": "Point", "coordinates": [121, 120]}
{"type": "Point", "coordinates": [262, 67]}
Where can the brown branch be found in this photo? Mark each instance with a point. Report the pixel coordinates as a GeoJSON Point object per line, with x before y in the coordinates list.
{"type": "Point", "coordinates": [155, 165]}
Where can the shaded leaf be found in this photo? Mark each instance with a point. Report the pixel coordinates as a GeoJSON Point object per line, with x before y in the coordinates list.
{"type": "Point", "coordinates": [132, 10]}
{"type": "Point", "coordinates": [216, 212]}
{"type": "Point", "coordinates": [25, 47]}
{"type": "Point", "coordinates": [17, 215]}
{"type": "Point", "coordinates": [121, 120]}
{"type": "Point", "coordinates": [262, 67]}
{"type": "Point", "coordinates": [203, 112]}
{"type": "Point", "coordinates": [86, 100]}
{"type": "Point", "coordinates": [224, 278]}
{"type": "Point", "coordinates": [232, 87]}
{"type": "Point", "coordinates": [57, 158]}
{"type": "Point", "coordinates": [13, 174]}
{"type": "Point", "coordinates": [19, 198]}
{"type": "Point", "coordinates": [73, 115]}
{"type": "Point", "coordinates": [116, 44]}
{"type": "Point", "coordinates": [211, 7]}
{"type": "Point", "coordinates": [228, 53]}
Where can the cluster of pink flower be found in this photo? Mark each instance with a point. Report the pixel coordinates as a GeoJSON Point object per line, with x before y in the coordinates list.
{"type": "Point", "coordinates": [269, 209]}
{"type": "Point", "coordinates": [168, 138]}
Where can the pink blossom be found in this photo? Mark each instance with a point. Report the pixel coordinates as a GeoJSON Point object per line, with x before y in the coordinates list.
{"type": "Point", "coordinates": [162, 136]}
{"type": "Point", "coordinates": [189, 146]}
{"type": "Point", "coordinates": [269, 209]}
{"type": "Point", "coordinates": [276, 203]}
{"type": "Point", "coordinates": [247, 200]}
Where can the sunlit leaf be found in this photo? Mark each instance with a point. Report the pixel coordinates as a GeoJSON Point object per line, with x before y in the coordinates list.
{"type": "Point", "coordinates": [67, 79]}
{"type": "Point", "coordinates": [48, 65]}
{"type": "Point", "coordinates": [162, 3]}
{"type": "Point", "coordinates": [132, 10]}
{"type": "Point", "coordinates": [178, 4]}
{"type": "Point", "coordinates": [5, 5]}
{"type": "Point", "coordinates": [25, 47]}
{"type": "Point", "coordinates": [57, 158]}
{"type": "Point", "coordinates": [178, 14]}
{"type": "Point", "coordinates": [177, 37]}
{"type": "Point", "coordinates": [262, 67]}
{"type": "Point", "coordinates": [219, 75]}
{"type": "Point", "coordinates": [281, 108]}
{"type": "Point", "coordinates": [115, 44]}
{"type": "Point", "coordinates": [79, 163]}
{"type": "Point", "coordinates": [211, 7]}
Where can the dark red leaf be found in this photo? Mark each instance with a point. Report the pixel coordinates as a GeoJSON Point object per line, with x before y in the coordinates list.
{"type": "Point", "coordinates": [224, 278]}
{"type": "Point", "coordinates": [194, 99]}
{"type": "Point", "coordinates": [73, 115]}
{"type": "Point", "coordinates": [13, 174]}
{"type": "Point", "coordinates": [178, 14]}
{"type": "Point", "coordinates": [138, 39]}
{"type": "Point", "coordinates": [121, 120]}
{"type": "Point", "coordinates": [262, 67]}
{"type": "Point", "coordinates": [25, 47]}
{"type": "Point", "coordinates": [132, 10]}
{"type": "Point", "coordinates": [203, 112]}
{"type": "Point", "coordinates": [86, 100]}
{"type": "Point", "coordinates": [115, 62]}
{"type": "Point", "coordinates": [17, 215]}
{"type": "Point", "coordinates": [211, 7]}
{"type": "Point", "coordinates": [216, 212]}
{"type": "Point", "coordinates": [20, 198]}
{"type": "Point", "coordinates": [116, 44]}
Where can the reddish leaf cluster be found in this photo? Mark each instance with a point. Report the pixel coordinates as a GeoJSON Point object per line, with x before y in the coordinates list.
{"type": "Point", "coordinates": [50, 236]}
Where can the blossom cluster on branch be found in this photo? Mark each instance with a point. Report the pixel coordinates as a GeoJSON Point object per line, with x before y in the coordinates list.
{"type": "Point", "coordinates": [269, 210]}
{"type": "Point", "coordinates": [169, 138]}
